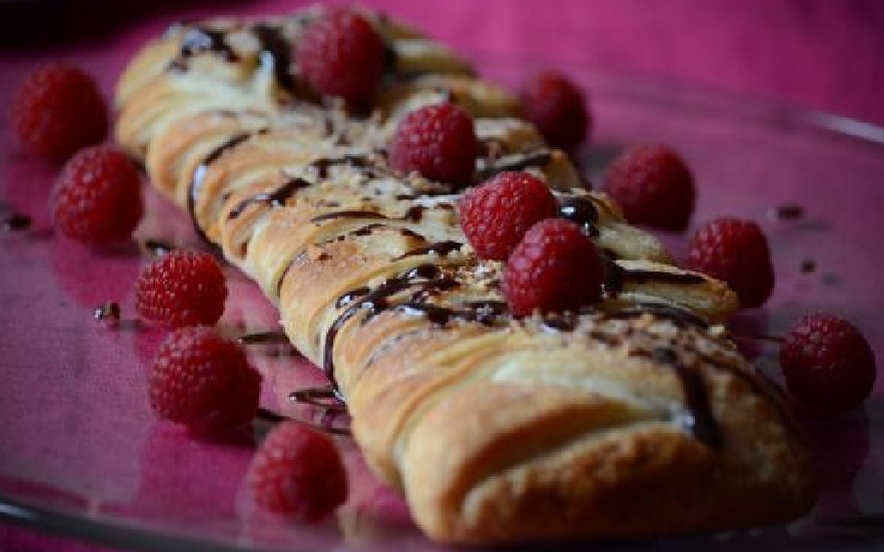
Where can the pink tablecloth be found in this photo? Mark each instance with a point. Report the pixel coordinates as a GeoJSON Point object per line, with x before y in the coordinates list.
{"type": "Point", "coordinates": [822, 54]}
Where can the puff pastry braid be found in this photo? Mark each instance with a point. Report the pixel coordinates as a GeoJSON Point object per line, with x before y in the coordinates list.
{"type": "Point", "coordinates": [634, 417]}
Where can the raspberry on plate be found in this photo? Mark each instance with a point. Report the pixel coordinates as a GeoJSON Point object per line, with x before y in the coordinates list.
{"type": "Point", "coordinates": [554, 268]}
{"type": "Point", "coordinates": [58, 110]}
{"type": "Point", "coordinates": [827, 363]}
{"type": "Point", "coordinates": [555, 105]}
{"type": "Point", "coordinates": [97, 196]}
{"type": "Point", "coordinates": [653, 186]}
{"type": "Point", "coordinates": [495, 215]}
{"type": "Point", "coordinates": [736, 252]}
{"type": "Point", "coordinates": [182, 288]}
{"type": "Point", "coordinates": [437, 141]}
{"type": "Point", "coordinates": [342, 55]}
{"type": "Point", "coordinates": [203, 381]}
{"type": "Point", "coordinates": [298, 472]}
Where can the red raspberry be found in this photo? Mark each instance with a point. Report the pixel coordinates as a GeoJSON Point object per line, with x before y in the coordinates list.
{"type": "Point", "coordinates": [203, 381]}
{"type": "Point", "coordinates": [495, 215]}
{"type": "Point", "coordinates": [554, 268]}
{"type": "Point", "coordinates": [342, 55]}
{"type": "Point", "coordinates": [736, 252]}
{"type": "Point", "coordinates": [555, 106]}
{"type": "Point", "coordinates": [97, 196]}
{"type": "Point", "coordinates": [653, 186]}
{"type": "Point", "coordinates": [298, 472]}
{"type": "Point", "coordinates": [182, 288]}
{"type": "Point", "coordinates": [827, 363]}
{"type": "Point", "coordinates": [437, 141]}
{"type": "Point", "coordinates": [58, 110]}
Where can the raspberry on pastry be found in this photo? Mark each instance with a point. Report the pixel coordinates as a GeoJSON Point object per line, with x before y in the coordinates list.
{"type": "Point", "coordinates": [495, 215]}
{"type": "Point", "coordinates": [554, 268]}
{"type": "Point", "coordinates": [342, 55]}
{"type": "Point", "coordinates": [438, 142]}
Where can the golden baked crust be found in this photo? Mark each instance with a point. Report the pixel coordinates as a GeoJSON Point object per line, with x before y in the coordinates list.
{"type": "Point", "coordinates": [634, 417]}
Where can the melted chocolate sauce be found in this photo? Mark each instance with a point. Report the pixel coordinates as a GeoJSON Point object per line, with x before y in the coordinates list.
{"type": "Point", "coordinates": [268, 415]}
{"type": "Point", "coordinates": [322, 165]}
{"type": "Point", "coordinates": [108, 311]}
{"type": "Point", "coordinates": [582, 211]}
{"type": "Point", "coordinates": [323, 397]}
{"type": "Point", "coordinates": [787, 212]}
{"type": "Point", "coordinates": [616, 276]}
{"type": "Point", "coordinates": [200, 173]}
{"type": "Point", "coordinates": [262, 338]}
{"type": "Point", "coordinates": [414, 214]}
{"type": "Point", "coordinates": [700, 423]}
{"type": "Point", "coordinates": [519, 162]}
{"type": "Point", "coordinates": [441, 248]}
{"type": "Point", "coordinates": [348, 214]}
{"type": "Point", "coordinates": [276, 198]}
{"type": "Point", "coordinates": [158, 248]}
{"type": "Point", "coordinates": [200, 39]}
{"type": "Point", "coordinates": [276, 49]}
{"type": "Point", "coordinates": [422, 277]}
{"type": "Point", "coordinates": [487, 313]}
{"type": "Point", "coordinates": [16, 222]}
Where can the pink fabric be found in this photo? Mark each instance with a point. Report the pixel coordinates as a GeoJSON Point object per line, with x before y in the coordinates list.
{"type": "Point", "coordinates": [818, 53]}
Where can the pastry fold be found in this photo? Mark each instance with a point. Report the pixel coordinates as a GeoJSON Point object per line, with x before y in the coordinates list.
{"type": "Point", "coordinates": [635, 416]}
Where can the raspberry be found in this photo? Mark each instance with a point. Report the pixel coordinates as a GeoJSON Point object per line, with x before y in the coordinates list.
{"type": "Point", "coordinates": [182, 288]}
{"type": "Point", "coordinates": [437, 141]}
{"type": "Point", "coordinates": [495, 215]}
{"type": "Point", "coordinates": [97, 196]}
{"type": "Point", "coordinates": [203, 381]}
{"type": "Point", "coordinates": [342, 55]}
{"type": "Point", "coordinates": [298, 472]}
{"type": "Point", "coordinates": [653, 186]}
{"type": "Point", "coordinates": [736, 252]}
{"type": "Point", "coordinates": [827, 363]}
{"type": "Point", "coordinates": [555, 106]}
{"type": "Point", "coordinates": [554, 268]}
{"type": "Point", "coordinates": [57, 110]}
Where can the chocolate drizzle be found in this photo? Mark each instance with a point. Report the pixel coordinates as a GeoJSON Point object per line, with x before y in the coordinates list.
{"type": "Point", "coordinates": [201, 39]}
{"type": "Point", "coordinates": [348, 214]}
{"type": "Point", "coordinates": [200, 173]}
{"type": "Point", "coordinates": [581, 211]}
{"type": "Point", "coordinates": [420, 278]}
{"type": "Point", "coordinates": [276, 198]}
{"type": "Point", "coordinates": [276, 50]}
{"type": "Point", "coordinates": [16, 221]}
{"type": "Point", "coordinates": [517, 162]}
{"type": "Point", "coordinates": [616, 276]}
{"type": "Point", "coordinates": [700, 422]}
{"type": "Point", "coordinates": [322, 164]}
{"type": "Point", "coordinates": [441, 248]}
{"type": "Point", "coordinates": [487, 313]}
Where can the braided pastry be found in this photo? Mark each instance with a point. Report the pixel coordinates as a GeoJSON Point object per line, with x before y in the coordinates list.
{"type": "Point", "coordinates": [634, 417]}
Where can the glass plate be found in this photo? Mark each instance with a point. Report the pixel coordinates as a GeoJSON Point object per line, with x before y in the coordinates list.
{"type": "Point", "coordinates": [81, 454]}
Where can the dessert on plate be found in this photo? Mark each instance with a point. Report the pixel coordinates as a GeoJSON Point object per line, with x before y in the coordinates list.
{"type": "Point", "coordinates": [630, 415]}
